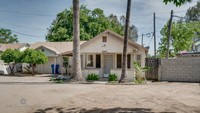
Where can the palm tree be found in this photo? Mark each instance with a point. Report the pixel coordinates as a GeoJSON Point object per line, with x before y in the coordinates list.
{"type": "Point", "coordinates": [124, 61]}
{"type": "Point", "coordinates": [77, 73]}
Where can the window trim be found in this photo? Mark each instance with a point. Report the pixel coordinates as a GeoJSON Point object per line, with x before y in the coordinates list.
{"type": "Point", "coordinates": [93, 56]}
{"type": "Point", "coordinates": [104, 39]}
{"type": "Point", "coordinates": [117, 62]}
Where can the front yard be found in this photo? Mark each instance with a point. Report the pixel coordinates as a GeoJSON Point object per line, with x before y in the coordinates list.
{"type": "Point", "coordinates": [38, 95]}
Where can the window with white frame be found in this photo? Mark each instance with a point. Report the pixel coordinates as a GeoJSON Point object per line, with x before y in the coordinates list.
{"type": "Point", "coordinates": [90, 61]}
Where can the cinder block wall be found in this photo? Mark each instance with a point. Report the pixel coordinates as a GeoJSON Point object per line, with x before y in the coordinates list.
{"type": "Point", "coordinates": [184, 69]}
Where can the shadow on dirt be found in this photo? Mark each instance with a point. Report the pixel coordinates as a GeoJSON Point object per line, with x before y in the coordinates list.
{"type": "Point", "coordinates": [97, 110]}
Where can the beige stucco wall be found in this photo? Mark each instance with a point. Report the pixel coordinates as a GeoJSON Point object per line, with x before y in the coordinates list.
{"type": "Point", "coordinates": [130, 73]}
{"type": "Point", "coordinates": [47, 52]}
{"type": "Point", "coordinates": [46, 68]}
{"type": "Point", "coordinates": [180, 69]}
{"type": "Point", "coordinates": [112, 45]}
{"type": "Point", "coordinates": [85, 72]}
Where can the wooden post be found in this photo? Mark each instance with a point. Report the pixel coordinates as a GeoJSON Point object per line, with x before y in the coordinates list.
{"type": "Point", "coordinates": [169, 34]}
{"type": "Point", "coordinates": [154, 33]}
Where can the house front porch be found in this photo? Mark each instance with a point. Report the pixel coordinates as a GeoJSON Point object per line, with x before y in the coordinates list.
{"type": "Point", "coordinates": [104, 64]}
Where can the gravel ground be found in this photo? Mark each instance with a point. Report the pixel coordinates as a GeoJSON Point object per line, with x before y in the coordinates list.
{"type": "Point", "coordinates": [25, 95]}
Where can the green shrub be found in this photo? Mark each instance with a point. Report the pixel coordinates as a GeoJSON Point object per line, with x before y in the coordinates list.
{"type": "Point", "coordinates": [112, 77]}
{"type": "Point", "coordinates": [55, 80]}
{"type": "Point", "coordinates": [93, 76]}
{"type": "Point", "coordinates": [141, 80]}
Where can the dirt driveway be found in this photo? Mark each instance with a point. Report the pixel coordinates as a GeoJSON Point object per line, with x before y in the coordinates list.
{"type": "Point", "coordinates": [94, 98]}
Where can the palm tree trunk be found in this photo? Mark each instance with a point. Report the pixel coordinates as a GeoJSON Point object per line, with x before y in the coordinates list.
{"type": "Point", "coordinates": [123, 78]}
{"type": "Point", "coordinates": [77, 73]}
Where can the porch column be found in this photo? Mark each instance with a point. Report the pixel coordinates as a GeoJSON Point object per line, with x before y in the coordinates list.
{"type": "Point", "coordinates": [54, 65]}
{"type": "Point", "coordinates": [102, 65]}
{"type": "Point", "coordinates": [83, 60]}
{"type": "Point", "coordinates": [61, 65]}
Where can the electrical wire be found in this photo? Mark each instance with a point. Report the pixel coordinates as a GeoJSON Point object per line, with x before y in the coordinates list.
{"type": "Point", "coordinates": [150, 40]}
{"type": "Point", "coordinates": [21, 26]}
{"type": "Point", "coordinates": [26, 13]}
{"type": "Point", "coordinates": [27, 34]}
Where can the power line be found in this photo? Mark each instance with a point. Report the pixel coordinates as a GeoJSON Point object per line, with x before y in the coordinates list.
{"type": "Point", "coordinates": [158, 13]}
{"type": "Point", "coordinates": [21, 26]}
{"type": "Point", "coordinates": [27, 34]}
{"type": "Point", "coordinates": [26, 13]}
{"type": "Point", "coordinates": [150, 40]}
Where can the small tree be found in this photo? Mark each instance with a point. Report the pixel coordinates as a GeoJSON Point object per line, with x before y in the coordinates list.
{"type": "Point", "coordinates": [138, 71]}
{"type": "Point", "coordinates": [33, 57]}
{"type": "Point", "coordinates": [11, 57]}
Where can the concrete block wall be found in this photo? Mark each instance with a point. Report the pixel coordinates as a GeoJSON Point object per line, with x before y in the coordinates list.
{"type": "Point", "coordinates": [183, 69]}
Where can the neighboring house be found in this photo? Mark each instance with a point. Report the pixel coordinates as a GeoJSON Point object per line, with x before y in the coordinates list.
{"type": "Point", "coordinates": [101, 55]}
{"type": "Point", "coordinates": [188, 54]}
{"type": "Point", "coordinates": [53, 50]}
{"type": "Point", "coordinates": [4, 69]}
{"type": "Point", "coordinates": [19, 46]}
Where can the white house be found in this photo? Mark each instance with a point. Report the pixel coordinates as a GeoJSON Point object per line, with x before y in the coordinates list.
{"type": "Point", "coordinates": [101, 55]}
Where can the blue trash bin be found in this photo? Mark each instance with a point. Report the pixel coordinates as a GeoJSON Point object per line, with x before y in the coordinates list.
{"type": "Point", "coordinates": [57, 67]}
{"type": "Point", "coordinates": [52, 68]}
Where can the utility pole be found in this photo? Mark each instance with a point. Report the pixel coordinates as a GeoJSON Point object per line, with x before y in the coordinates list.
{"type": "Point", "coordinates": [154, 32]}
{"type": "Point", "coordinates": [169, 34]}
{"type": "Point", "coordinates": [142, 40]}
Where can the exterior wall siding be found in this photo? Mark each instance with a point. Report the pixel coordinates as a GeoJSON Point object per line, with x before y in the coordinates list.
{"type": "Point", "coordinates": [130, 73]}
{"type": "Point", "coordinates": [45, 68]}
{"type": "Point", "coordinates": [111, 46]}
{"type": "Point", "coordinates": [47, 52]}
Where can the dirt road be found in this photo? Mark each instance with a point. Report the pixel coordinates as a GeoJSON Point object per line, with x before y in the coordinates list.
{"type": "Point", "coordinates": [92, 98]}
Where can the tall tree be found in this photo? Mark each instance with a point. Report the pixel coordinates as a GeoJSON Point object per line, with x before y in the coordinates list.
{"type": "Point", "coordinates": [6, 36]}
{"type": "Point", "coordinates": [181, 37]}
{"type": "Point", "coordinates": [92, 22]}
{"type": "Point", "coordinates": [77, 73]}
{"type": "Point", "coordinates": [177, 2]}
{"type": "Point", "coordinates": [193, 13]}
{"type": "Point", "coordinates": [124, 61]}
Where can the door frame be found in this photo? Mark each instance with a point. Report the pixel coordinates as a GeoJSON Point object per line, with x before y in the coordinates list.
{"type": "Point", "coordinates": [105, 63]}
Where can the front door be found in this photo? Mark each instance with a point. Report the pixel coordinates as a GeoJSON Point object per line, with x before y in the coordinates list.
{"type": "Point", "coordinates": [108, 64]}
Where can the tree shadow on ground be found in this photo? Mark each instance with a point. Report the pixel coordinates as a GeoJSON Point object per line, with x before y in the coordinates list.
{"type": "Point", "coordinates": [97, 110]}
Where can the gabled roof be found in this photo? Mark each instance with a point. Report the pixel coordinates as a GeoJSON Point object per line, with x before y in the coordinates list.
{"type": "Point", "coordinates": [57, 47]}
{"type": "Point", "coordinates": [117, 36]}
{"type": "Point", "coordinates": [3, 47]}
{"type": "Point", "coordinates": [50, 48]}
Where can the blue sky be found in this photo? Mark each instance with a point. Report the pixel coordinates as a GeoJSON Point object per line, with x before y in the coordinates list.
{"type": "Point", "coordinates": [33, 17]}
